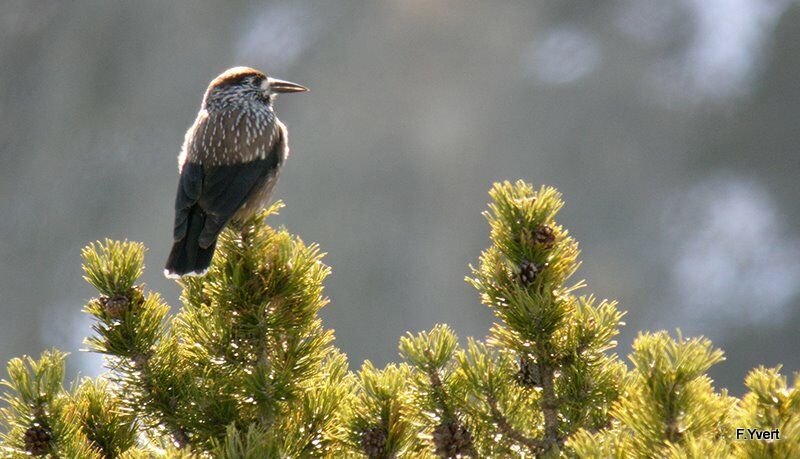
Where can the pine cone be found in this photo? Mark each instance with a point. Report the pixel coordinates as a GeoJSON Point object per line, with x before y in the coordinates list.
{"type": "Point", "coordinates": [373, 441]}
{"type": "Point", "coordinates": [544, 235]}
{"type": "Point", "coordinates": [452, 440]}
{"type": "Point", "coordinates": [38, 412]}
{"type": "Point", "coordinates": [37, 439]}
{"type": "Point", "coordinates": [527, 273]}
{"type": "Point", "coordinates": [140, 361]}
{"type": "Point", "coordinates": [528, 374]}
{"type": "Point", "coordinates": [116, 306]}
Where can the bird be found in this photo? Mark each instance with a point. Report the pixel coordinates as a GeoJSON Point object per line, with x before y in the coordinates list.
{"type": "Point", "coordinates": [229, 163]}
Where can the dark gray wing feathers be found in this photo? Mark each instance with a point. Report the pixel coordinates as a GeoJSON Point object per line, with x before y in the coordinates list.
{"type": "Point", "coordinates": [220, 191]}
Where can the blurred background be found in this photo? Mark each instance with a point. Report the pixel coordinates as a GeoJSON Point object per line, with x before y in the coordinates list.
{"type": "Point", "coordinates": [671, 127]}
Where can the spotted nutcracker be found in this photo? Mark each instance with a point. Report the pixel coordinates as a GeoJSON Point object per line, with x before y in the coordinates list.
{"type": "Point", "coordinates": [229, 163]}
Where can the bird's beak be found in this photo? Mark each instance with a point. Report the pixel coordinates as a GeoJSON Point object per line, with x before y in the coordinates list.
{"type": "Point", "coordinates": [285, 86]}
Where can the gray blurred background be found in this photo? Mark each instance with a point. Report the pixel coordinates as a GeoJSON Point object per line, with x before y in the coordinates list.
{"type": "Point", "coordinates": [671, 127]}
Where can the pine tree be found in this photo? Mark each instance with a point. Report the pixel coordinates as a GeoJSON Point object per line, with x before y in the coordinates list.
{"type": "Point", "coordinates": [246, 369]}
{"type": "Point", "coordinates": [770, 404]}
{"type": "Point", "coordinates": [669, 407]}
{"type": "Point", "coordinates": [557, 340]}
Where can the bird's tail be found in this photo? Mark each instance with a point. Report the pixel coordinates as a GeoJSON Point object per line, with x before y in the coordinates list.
{"type": "Point", "coordinates": [187, 256]}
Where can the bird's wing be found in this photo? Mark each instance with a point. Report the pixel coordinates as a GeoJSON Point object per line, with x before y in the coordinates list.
{"type": "Point", "coordinates": [189, 189]}
{"type": "Point", "coordinates": [221, 190]}
{"type": "Point", "coordinates": [227, 188]}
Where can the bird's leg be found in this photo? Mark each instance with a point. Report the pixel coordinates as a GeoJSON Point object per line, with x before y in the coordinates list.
{"type": "Point", "coordinates": [239, 227]}
{"type": "Point", "coordinates": [244, 234]}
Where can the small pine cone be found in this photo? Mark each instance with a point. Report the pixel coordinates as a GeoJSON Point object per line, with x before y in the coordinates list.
{"type": "Point", "coordinates": [373, 441]}
{"type": "Point", "coordinates": [544, 235]}
{"type": "Point", "coordinates": [38, 412]}
{"type": "Point", "coordinates": [116, 306]}
{"type": "Point", "coordinates": [528, 374]}
{"type": "Point", "coordinates": [37, 439]}
{"type": "Point", "coordinates": [452, 440]}
{"type": "Point", "coordinates": [527, 273]}
{"type": "Point", "coordinates": [139, 361]}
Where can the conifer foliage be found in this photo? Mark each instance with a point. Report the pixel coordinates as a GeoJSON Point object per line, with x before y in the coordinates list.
{"type": "Point", "coordinates": [246, 368]}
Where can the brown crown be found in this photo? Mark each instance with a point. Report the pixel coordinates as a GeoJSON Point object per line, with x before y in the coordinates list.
{"type": "Point", "coordinates": [235, 76]}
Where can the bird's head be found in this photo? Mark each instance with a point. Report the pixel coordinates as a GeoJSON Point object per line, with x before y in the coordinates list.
{"type": "Point", "coordinates": [240, 85]}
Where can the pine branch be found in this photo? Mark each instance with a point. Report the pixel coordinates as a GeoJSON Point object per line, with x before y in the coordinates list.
{"type": "Point", "coordinates": [40, 418]}
{"type": "Point", "coordinates": [378, 422]}
{"type": "Point", "coordinates": [534, 445]}
{"type": "Point", "coordinates": [130, 326]}
{"type": "Point", "coordinates": [440, 394]}
{"type": "Point", "coordinates": [549, 406]}
{"type": "Point", "coordinates": [178, 432]}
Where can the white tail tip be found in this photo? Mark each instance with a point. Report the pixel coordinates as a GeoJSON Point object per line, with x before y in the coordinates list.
{"type": "Point", "coordinates": [171, 275]}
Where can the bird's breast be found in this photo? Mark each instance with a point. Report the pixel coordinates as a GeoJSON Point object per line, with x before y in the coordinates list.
{"type": "Point", "coordinates": [232, 137]}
